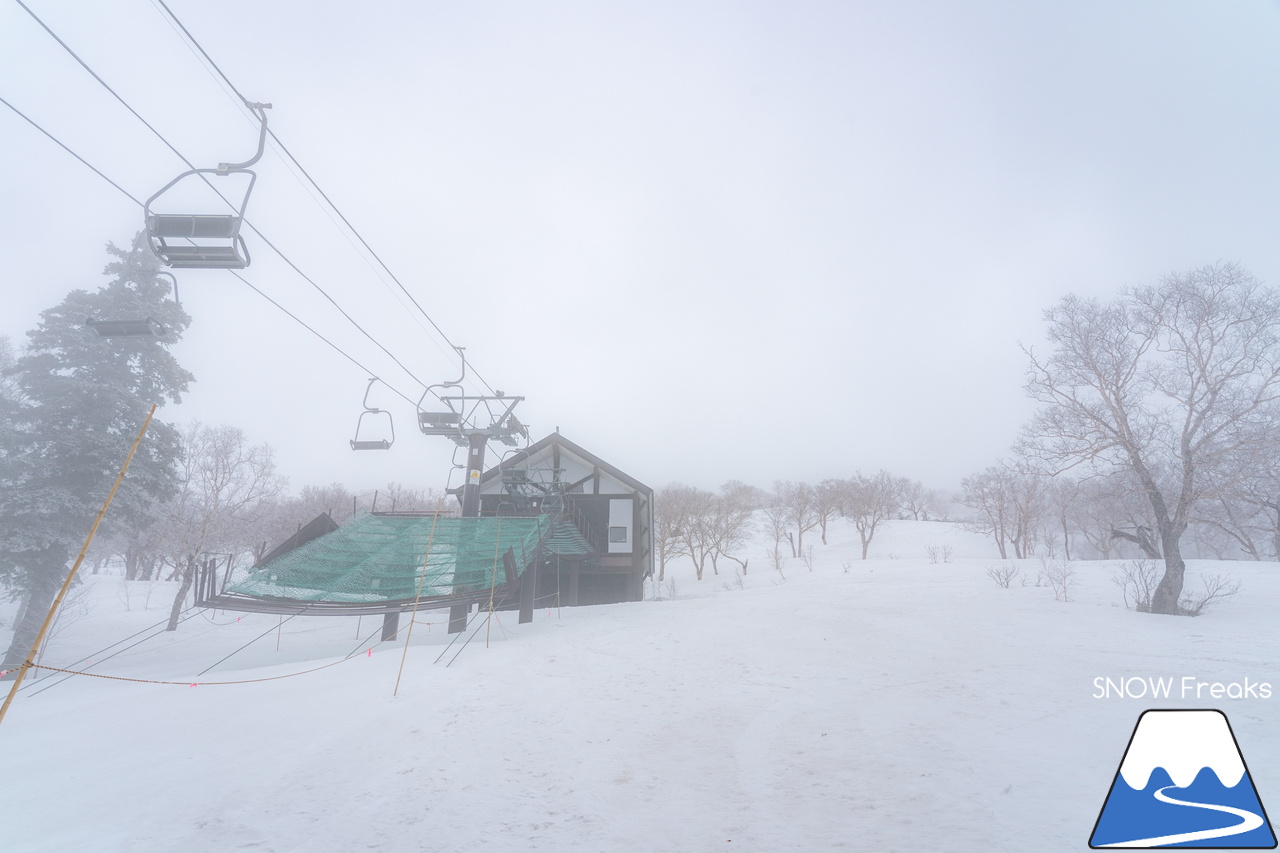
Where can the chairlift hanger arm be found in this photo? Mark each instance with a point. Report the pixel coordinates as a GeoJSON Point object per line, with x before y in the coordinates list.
{"type": "Point", "coordinates": [260, 110]}
{"type": "Point", "coordinates": [462, 352]}
{"type": "Point", "coordinates": [367, 389]}
{"type": "Point", "coordinates": [358, 443]}
{"type": "Point", "coordinates": [224, 168]}
{"type": "Point", "coordinates": [173, 278]}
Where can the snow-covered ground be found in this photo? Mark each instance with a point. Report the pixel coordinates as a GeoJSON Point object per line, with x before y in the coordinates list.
{"type": "Point", "coordinates": [888, 704]}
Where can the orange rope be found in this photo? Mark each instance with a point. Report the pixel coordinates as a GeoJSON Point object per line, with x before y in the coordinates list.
{"type": "Point", "coordinates": [201, 683]}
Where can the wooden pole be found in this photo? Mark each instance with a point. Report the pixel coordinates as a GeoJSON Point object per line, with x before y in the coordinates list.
{"type": "Point", "coordinates": [66, 585]}
{"type": "Point", "coordinates": [413, 618]}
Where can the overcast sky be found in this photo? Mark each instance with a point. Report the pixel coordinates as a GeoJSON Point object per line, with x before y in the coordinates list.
{"type": "Point", "coordinates": [707, 240]}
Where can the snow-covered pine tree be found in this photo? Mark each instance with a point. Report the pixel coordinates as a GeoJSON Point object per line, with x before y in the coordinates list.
{"type": "Point", "coordinates": [72, 404]}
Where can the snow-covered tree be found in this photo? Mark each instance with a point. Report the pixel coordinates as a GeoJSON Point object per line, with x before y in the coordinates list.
{"type": "Point", "coordinates": [728, 518]}
{"type": "Point", "coordinates": [1010, 503]}
{"type": "Point", "coordinates": [920, 502]}
{"type": "Point", "coordinates": [672, 508]}
{"type": "Point", "coordinates": [225, 486]}
{"type": "Point", "coordinates": [802, 513]}
{"type": "Point", "coordinates": [73, 405]}
{"type": "Point", "coordinates": [1177, 385]}
{"type": "Point", "coordinates": [869, 500]}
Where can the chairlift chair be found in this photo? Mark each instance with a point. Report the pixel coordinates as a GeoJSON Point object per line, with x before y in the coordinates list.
{"type": "Point", "coordinates": [205, 240]}
{"type": "Point", "coordinates": [146, 327]}
{"type": "Point", "coordinates": [359, 443]}
{"type": "Point", "coordinates": [133, 327]}
{"type": "Point", "coordinates": [439, 423]}
{"type": "Point", "coordinates": [444, 423]}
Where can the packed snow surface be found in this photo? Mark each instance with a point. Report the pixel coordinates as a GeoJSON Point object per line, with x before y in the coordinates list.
{"type": "Point", "coordinates": [888, 704]}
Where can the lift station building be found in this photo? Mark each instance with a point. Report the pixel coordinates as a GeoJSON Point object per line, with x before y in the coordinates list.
{"type": "Point", "coordinates": [612, 510]}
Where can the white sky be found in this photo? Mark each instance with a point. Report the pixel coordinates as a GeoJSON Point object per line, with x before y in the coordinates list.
{"type": "Point", "coordinates": [709, 241]}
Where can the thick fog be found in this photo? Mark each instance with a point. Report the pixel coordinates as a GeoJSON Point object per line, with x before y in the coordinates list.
{"type": "Point", "coordinates": [748, 241]}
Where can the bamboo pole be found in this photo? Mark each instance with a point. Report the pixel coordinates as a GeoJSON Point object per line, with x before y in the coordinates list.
{"type": "Point", "coordinates": [418, 597]}
{"type": "Point", "coordinates": [66, 585]}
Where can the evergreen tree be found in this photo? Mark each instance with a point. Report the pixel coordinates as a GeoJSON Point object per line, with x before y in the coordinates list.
{"type": "Point", "coordinates": [70, 406]}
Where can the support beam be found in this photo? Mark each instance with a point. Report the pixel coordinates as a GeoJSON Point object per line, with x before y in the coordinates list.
{"type": "Point", "coordinates": [528, 591]}
{"type": "Point", "coordinates": [458, 614]}
{"type": "Point", "coordinates": [475, 467]}
{"type": "Point", "coordinates": [390, 625]}
{"type": "Point", "coordinates": [509, 566]}
{"type": "Point", "coordinates": [575, 570]}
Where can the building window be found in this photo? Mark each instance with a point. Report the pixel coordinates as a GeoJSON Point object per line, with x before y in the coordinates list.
{"type": "Point", "coordinates": [617, 534]}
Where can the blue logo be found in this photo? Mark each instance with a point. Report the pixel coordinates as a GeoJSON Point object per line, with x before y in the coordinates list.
{"type": "Point", "coordinates": [1183, 783]}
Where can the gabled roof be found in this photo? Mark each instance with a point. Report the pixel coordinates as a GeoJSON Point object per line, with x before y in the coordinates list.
{"type": "Point", "coordinates": [519, 459]}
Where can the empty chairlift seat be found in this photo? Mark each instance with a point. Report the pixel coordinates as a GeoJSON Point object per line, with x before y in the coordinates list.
{"type": "Point", "coordinates": [366, 443]}
{"type": "Point", "coordinates": [206, 241]}
{"type": "Point", "coordinates": [144, 327]}
{"type": "Point", "coordinates": [439, 423]}
{"type": "Point", "coordinates": [198, 241]}
{"type": "Point", "coordinates": [362, 440]}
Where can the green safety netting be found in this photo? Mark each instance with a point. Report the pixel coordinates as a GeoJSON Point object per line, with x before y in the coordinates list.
{"type": "Point", "coordinates": [385, 557]}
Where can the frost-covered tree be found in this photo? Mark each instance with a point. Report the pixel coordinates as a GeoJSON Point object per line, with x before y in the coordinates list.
{"type": "Point", "coordinates": [727, 520]}
{"type": "Point", "coordinates": [1176, 385]}
{"type": "Point", "coordinates": [673, 508]}
{"type": "Point", "coordinates": [73, 405]}
{"type": "Point", "coordinates": [803, 510]}
{"type": "Point", "coordinates": [1010, 504]}
{"type": "Point", "coordinates": [775, 514]}
{"type": "Point", "coordinates": [986, 493]}
{"type": "Point", "coordinates": [1244, 514]}
{"type": "Point", "coordinates": [225, 485]}
{"type": "Point", "coordinates": [828, 494]}
{"type": "Point", "coordinates": [920, 502]}
{"type": "Point", "coordinates": [869, 500]}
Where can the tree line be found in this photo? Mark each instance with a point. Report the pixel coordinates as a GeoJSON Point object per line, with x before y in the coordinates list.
{"type": "Point", "coordinates": [1158, 430]}
{"type": "Point", "coordinates": [708, 527]}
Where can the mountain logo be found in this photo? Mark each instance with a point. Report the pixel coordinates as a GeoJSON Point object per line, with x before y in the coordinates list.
{"type": "Point", "coordinates": [1183, 783]}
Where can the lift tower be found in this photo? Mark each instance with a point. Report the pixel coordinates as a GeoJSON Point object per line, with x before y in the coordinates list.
{"type": "Point", "coordinates": [470, 421]}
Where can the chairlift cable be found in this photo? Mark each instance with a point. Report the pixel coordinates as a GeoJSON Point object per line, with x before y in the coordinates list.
{"type": "Point", "coordinates": [191, 165]}
{"type": "Point", "coordinates": [317, 195]}
{"type": "Point", "coordinates": [333, 302]}
{"type": "Point", "coordinates": [323, 194]}
{"type": "Point", "coordinates": [59, 142]}
{"type": "Point", "coordinates": [335, 347]}
{"type": "Point", "coordinates": [309, 185]}
{"type": "Point", "coordinates": [286, 311]}
{"type": "Point", "coordinates": [104, 83]}
{"type": "Point", "coordinates": [371, 250]}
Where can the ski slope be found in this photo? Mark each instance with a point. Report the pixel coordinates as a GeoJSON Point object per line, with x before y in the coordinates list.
{"type": "Point", "coordinates": [886, 704]}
